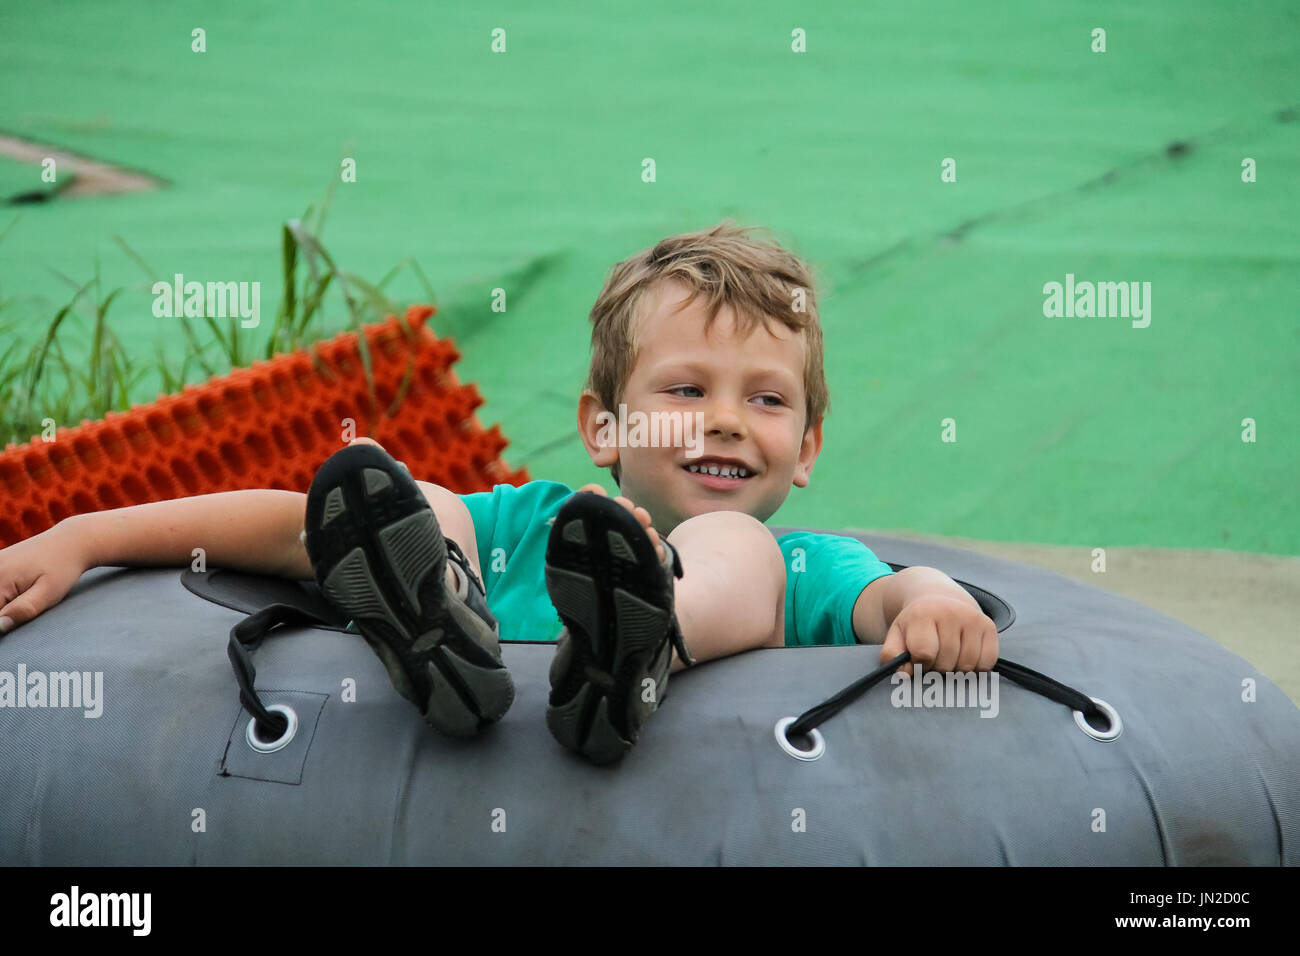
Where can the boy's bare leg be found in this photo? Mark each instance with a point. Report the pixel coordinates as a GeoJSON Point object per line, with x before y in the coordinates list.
{"type": "Point", "coordinates": [731, 597]}
{"type": "Point", "coordinates": [455, 522]}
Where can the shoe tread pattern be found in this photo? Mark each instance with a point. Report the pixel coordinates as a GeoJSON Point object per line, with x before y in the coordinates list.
{"type": "Point", "coordinates": [616, 602]}
{"type": "Point", "coordinates": [382, 559]}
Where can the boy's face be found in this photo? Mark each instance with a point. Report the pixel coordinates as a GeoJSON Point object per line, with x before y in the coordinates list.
{"type": "Point", "coordinates": [750, 396]}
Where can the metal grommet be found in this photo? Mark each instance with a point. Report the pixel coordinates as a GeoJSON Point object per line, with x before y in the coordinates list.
{"type": "Point", "coordinates": [270, 747]}
{"type": "Point", "coordinates": [818, 747]}
{"type": "Point", "coordinates": [1116, 725]}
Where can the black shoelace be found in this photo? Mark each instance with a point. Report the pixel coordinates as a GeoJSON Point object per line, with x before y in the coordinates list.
{"type": "Point", "coordinates": [675, 631]}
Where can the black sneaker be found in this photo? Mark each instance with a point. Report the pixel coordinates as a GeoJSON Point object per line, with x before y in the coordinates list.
{"type": "Point", "coordinates": [379, 556]}
{"type": "Point", "coordinates": [615, 599]}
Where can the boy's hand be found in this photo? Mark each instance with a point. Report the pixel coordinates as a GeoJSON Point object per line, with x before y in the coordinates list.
{"type": "Point", "coordinates": [35, 574]}
{"type": "Point", "coordinates": [943, 633]}
{"type": "Point", "coordinates": [641, 515]}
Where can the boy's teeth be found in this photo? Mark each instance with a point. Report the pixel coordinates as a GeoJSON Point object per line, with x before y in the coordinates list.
{"type": "Point", "coordinates": [726, 471]}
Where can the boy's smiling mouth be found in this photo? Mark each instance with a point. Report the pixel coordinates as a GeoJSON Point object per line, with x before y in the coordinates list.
{"type": "Point", "coordinates": [720, 473]}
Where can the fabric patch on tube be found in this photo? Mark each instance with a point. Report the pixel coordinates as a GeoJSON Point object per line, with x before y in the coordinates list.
{"type": "Point", "coordinates": [284, 765]}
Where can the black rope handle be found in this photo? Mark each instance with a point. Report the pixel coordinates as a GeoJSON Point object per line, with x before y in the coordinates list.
{"type": "Point", "coordinates": [833, 705]}
{"type": "Point", "coordinates": [1018, 673]}
{"type": "Point", "coordinates": [1049, 688]}
{"type": "Point", "coordinates": [246, 637]}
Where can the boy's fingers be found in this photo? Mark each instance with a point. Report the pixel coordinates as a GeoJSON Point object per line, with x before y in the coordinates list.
{"type": "Point", "coordinates": [972, 642]}
{"type": "Point", "coordinates": [945, 658]}
{"type": "Point", "coordinates": [989, 649]}
{"type": "Point", "coordinates": [654, 538]}
{"type": "Point", "coordinates": [595, 490]}
{"type": "Point", "coordinates": [28, 604]}
{"type": "Point", "coordinates": [923, 642]}
{"type": "Point", "coordinates": [643, 516]}
{"type": "Point", "coordinates": [895, 644]}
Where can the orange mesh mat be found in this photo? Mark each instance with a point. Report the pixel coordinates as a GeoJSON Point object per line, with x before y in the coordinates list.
{"type": "Point", "coordinates": [268, 426]}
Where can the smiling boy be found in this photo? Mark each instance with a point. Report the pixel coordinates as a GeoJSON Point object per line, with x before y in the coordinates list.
{"type": "Point", "coordinates": [710, 326]}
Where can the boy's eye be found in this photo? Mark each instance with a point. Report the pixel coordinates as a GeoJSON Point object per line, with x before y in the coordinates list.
{"type": "Point", "coordinates": [775, 399]}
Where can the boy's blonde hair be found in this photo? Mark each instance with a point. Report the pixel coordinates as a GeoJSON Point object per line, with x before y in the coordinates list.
{"type": "Point", "coordinates": [757, 280]}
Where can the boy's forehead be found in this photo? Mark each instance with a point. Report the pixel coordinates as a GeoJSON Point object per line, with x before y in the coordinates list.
{"type": "Point", "coordinates": [664, 334]}
{"type": "Point", "coordinates": [660, 304]}
{"type": "Point", "coordinates": [667, 318]}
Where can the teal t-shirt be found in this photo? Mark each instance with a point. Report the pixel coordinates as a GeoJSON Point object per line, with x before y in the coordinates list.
{"type": "Point", "coordinates": [825, 573]}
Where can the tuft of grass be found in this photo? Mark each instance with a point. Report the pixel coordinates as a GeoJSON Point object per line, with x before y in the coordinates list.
{"type": "Point", "coordinates": [41, 380]}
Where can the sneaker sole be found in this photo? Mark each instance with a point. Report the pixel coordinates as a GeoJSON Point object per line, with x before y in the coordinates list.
{"type": "Point", "coordinates": [380, 556]}
{"type": "Point", "coordinates": [607, 584]}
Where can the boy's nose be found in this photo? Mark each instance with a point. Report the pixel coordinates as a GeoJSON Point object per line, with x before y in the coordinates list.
{"type": "Point", "coordinates": [722, 418]}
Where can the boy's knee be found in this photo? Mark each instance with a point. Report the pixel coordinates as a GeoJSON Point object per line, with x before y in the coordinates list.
{"type": "Point", "coordinates": [441, 499]}
{"type": "Point", "coordinates": [733, 532]}
{"type": "Point", "coordinates": [453, 517]}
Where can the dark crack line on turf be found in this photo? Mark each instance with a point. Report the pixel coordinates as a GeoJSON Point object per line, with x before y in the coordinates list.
{"type": "Point", "coordinates": [76, 175]}
{"type": "Point", "coordinates": [1171, 152]}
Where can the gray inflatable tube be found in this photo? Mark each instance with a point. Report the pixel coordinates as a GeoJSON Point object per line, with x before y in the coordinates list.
{"type": "Point", "coordinates": [1206, 769]}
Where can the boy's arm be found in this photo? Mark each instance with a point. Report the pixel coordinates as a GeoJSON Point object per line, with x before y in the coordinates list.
{"type": "Point", "coordinates": [924, 611]}
{"type": "Point", "coordinates": [255, 530]}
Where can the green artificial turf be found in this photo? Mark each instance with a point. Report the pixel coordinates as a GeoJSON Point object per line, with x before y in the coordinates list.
{"type": "Point", "coordinates": [522, 171]}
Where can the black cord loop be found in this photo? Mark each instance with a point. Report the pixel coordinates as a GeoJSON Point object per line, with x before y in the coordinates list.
{"type": "Point", "coordinates": [246, 637]}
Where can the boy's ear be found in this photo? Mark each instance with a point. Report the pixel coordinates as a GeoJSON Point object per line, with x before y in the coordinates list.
{"type": "Point", "coordinates": [599, 430]}
{"type": "Point", "coordinates": [808, 452]}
